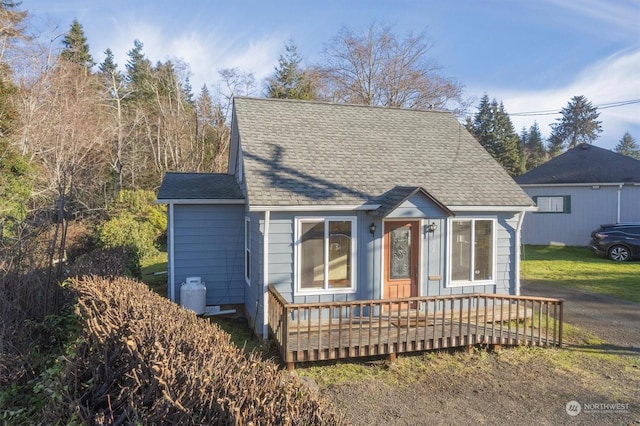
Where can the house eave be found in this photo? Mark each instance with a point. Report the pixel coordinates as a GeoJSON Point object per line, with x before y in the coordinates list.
{"type": "Point", "coordinates": [554, 185]}
{"type": "Point", "coordinates": [200, 201]}
{"type": "Point", "coordinates": [315, 207]}
{"type": "Point", "coordinates": [493, 208]}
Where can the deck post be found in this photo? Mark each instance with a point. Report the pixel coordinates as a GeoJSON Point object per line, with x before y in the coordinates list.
{"type": "Point", "coordinates": [392, 357]}
{"type": "Point", "coordinates": [291, 366]}
{"type": "Point", "coordinates": [561, 319]}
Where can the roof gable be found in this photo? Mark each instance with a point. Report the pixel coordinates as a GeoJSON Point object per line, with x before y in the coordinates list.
{"type": "Point", "coordinates": [395, 198]}
{"type": "Point", "coordinates": [584, 164]}
{"type": "Point", "coordinates": [313, 153]}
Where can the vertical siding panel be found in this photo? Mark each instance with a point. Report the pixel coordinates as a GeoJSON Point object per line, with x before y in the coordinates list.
{"type": "Point", "coordinates": [209, 243]}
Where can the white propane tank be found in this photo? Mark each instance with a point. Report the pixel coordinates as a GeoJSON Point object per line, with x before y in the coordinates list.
{"type": "Point", "coordinates": [193, 295]}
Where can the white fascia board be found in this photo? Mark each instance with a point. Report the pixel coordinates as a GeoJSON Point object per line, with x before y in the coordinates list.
{"type": "Point", "coordinates": [556, 185]}
{"type": "Point", "coordinates": [310, 208]}
{"type": "Point", "coordinates": [492, 208]}
{"type": "Point", "coordinates": [201, 201]}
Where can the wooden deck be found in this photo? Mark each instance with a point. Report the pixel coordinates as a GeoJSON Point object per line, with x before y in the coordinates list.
{"type": "Point", "coordinates": [338, 330]}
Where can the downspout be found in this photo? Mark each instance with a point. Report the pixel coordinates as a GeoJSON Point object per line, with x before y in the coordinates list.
{"type": "Point", "coordinates": [518, 250]}
{"type": "Point", "coordinates": [172, 274]}
{"type": "Point", "coordinates": [265, 276]}
{"type": "Point", "coordinates": [619, 202]}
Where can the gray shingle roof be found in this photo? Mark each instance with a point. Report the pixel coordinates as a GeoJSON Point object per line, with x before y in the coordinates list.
{"type": "Point", "coordinates": [199, 186]}
{"type": "Point", "coordinates": [313, 153]}
{"type": "Point", "coordinates": [585, 164]}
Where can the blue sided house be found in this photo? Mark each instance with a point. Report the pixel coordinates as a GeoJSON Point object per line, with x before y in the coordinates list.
{"type": "Point", "coordinates": [327, 203]}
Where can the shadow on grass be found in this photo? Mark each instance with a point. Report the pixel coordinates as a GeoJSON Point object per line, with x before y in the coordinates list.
{"type": "Point", "coordinates": [605, 349]}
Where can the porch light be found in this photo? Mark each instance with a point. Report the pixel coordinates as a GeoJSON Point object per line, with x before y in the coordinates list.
{"type": "Point", "coordinates": [432, 227]}
{"type": "Point", "coordinates": [372, 228]}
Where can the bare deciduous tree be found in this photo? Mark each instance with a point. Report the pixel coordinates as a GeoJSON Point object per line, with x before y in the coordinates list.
{"type": "Point", "coordinates": [375, 67]}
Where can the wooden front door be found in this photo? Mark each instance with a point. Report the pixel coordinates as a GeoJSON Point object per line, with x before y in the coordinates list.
{"type": "Point", "coordinates": [401, 257]}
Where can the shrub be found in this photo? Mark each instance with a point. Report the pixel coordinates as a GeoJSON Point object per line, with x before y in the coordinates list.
{"type": "Point", "coordinates": [107, 262]}
{"type": "Point", "coordinates": [136, 222]}
{"type": "Point", "coordinates": [142, 359]}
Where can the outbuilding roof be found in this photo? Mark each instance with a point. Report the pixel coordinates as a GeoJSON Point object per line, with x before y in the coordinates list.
{"type": "Point", "coordinates": [299, 153]}
{"type": "Point", "coordinates": [199, 186]}
{"type": "Point", "coordinates": [584, 164]}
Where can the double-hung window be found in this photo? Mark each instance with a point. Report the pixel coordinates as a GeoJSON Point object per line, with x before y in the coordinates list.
{"type": "Point", "coordinates": [472, 259]}
{"type": "Point", "coordinates": [325, 254]}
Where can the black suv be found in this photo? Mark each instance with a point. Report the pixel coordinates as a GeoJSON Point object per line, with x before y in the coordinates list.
{"type": "Point", "coordinates": [619, 242]}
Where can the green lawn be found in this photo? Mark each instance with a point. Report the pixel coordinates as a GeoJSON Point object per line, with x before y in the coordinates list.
{"type": "Point", "coordinates": [154, 273]}
{"type": "Point", "coordinates": [578, 268]}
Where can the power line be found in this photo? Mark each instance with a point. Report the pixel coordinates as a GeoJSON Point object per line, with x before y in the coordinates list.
{"type": "Point", "coordinates": [554, 112]}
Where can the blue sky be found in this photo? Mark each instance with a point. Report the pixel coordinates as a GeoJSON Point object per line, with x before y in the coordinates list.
{"type": "Point", "coordinates": [532, 55]}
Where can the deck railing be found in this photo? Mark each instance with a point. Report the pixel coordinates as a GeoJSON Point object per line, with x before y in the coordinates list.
{"type": "Point", "coordinates": [323, 331]}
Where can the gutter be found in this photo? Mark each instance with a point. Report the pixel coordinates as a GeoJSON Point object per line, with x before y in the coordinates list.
{"type": "Point", "coordinates": [619, 191]}
{"type": "Point", "coordinates": [172, 270]}
{"type": "Point", "coordinates": [265, 276]}
{"type": "Point", "coordinates": [518, 250]}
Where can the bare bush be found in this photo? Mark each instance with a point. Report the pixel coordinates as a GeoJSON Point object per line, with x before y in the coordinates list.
{"type": "Point", "coordinates": [143, 359]}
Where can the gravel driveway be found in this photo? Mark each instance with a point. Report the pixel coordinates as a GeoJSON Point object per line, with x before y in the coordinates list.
{"type": "Point", "coordinates": [615, 321]}
{"type": "Point", "coordinates": [507, 388]}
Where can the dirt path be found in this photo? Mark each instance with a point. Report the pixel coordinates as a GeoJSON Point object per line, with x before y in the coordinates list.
{"type": "Point", "coordinates": [510, 387]}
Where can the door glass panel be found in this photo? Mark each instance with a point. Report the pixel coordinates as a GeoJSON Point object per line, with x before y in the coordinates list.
{"type": "Point", "coordinates": [400, 253]}
{"type": "Point", "coordinates": [312, 255]}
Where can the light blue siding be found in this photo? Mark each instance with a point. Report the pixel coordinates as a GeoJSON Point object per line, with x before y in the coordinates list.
{"type": "Point", "coordinates": [209, 243]}
{"type": "Point", "coordinates": [254, 291]}
{"type": "Point", "coordinates": [433, 266]}
{"type": "Point", "coordinates": [417, 206]}
{"type": "Point", "coordinates": [589, 209]}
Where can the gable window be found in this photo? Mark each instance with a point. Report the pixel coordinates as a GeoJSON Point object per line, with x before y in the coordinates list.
{"type": "Point", "coordinates": [472, 257]}
{"type": "Point", "coordinates": [325, 254]}
{"type": "Point", "coordinates": [247, 250]}
{"type": "Point", "coordinates": [553, 204]}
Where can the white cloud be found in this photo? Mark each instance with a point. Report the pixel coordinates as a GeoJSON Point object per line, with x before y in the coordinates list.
{"type": "Point", "coordinates": [204, 52]}
{"type": "Point", "coordinates": [606, 18]}
{"type": "Point", "coordinates": [613, 79]}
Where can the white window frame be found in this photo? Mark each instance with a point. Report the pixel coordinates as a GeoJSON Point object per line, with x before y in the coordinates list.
{"type": "Point", "coordinates": [247, 250]}
{"type": "Point", "coordinates": [297, 254]}
{"type": "Point", "coordinates": [471, 281]}
{"type": "Point", "coordinates": [551, 203]}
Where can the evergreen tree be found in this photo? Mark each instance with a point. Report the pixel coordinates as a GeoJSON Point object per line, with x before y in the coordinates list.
{"type": "Point", "coordinates": [8, 112]}
{"type": "Point", "coordinates": [534, 150]}
{"type": "Point", "coordinates": [76, 49]}
{"type": "Point", "coordinates": [494, 130]}
{"type": "Point", "coordinates": [555, 145]}
{"type": "Point", "coordinates": [112, 78]}
{"type": "Point", "coordinates": [108, 66]}
{"type": "Point", "coordinates": [578, 124]}
{"type": "Point", "coordinates": [10, 24]}
{"type": "Point", "coordinates": [139, 73]}
{"type": "Point", "coordinates": [628, 146]}
{"type": "Point", "coordinates": [290, 81]}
